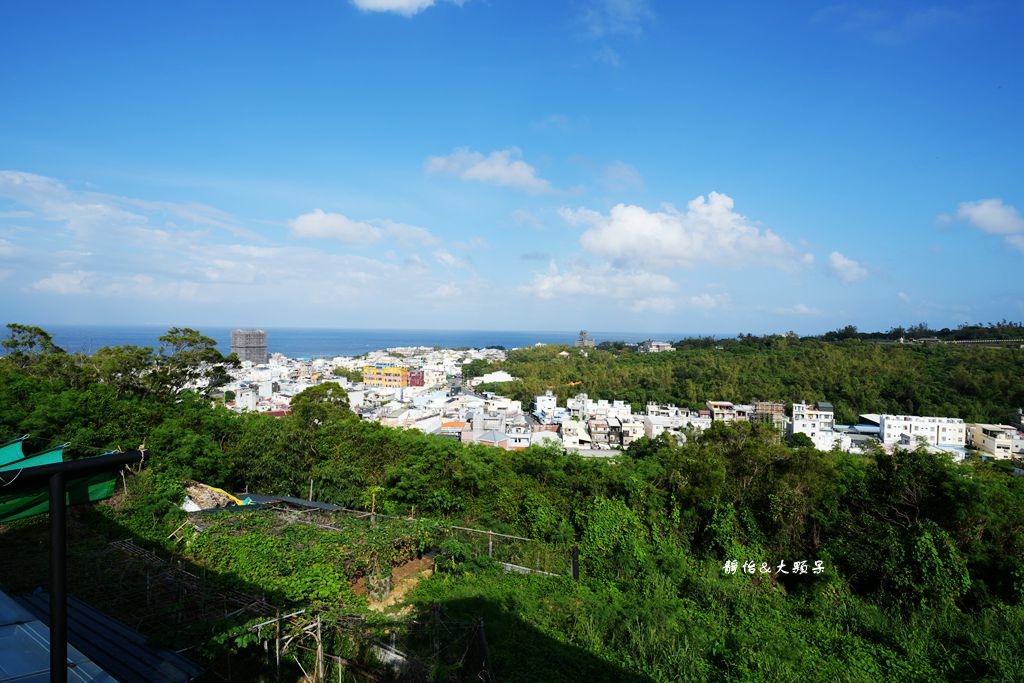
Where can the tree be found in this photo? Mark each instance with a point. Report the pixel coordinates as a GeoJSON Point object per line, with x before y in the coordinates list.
{"type": "Point", "coordinates": [26, 344]}
{"type": "Point", "coordinates": [124, 368]}
{"type": "Point", "coordinates": [475, 368]}
{"type": "Point", "coordinates": [189, 360]}
{"type": "Point", "coordinates": [350, 375]}
{"type": "Point", "coordinates": [318, 405]}
{"type": "Point", "coordinates": [800, 440]}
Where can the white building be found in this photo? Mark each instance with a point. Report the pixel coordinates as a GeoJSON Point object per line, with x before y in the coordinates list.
{"type": "Point", "coordinates": [993, 440]}
{"type": "Point", "coordinates": [911, 430]}
{"type": "Point", "coordinates": [818, 422]}
{"type": "Point", "coordinates": [246, 400]}
{"type": "Point", "coordinates": [651, 346]}
{"type": "Point", "coordinates": [496, 377]}
{"type": "Point", "coordinates": [575, 435]}
{"type": "Point", "coordinates": [632, 429]}
{"type": "Point", "coordinates": [545, 404]}
{"type": "Point", "coordinates": [582, 407]}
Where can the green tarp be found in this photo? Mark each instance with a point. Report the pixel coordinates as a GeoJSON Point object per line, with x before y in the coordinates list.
{"type": "Point", "coordinates": [89, 489]}
{"type": "Point", "coordinates": [50, 457]}
{"type": "Point", "coordinates": [11, 451]}
{"type": "Point", "coordinates": [86, 489]}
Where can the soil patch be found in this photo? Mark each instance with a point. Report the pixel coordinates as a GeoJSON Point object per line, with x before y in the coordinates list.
{"type": "Point", "coordinates": [404, 578]}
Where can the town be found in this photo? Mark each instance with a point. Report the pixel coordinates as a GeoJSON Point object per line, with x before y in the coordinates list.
{"type": "Point", "coordinates": [422, 388]}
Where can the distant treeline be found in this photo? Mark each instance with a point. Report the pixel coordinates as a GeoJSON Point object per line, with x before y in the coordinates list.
{"type": "Point", "coordinates": [1004, 329]}
{"type": "Point", "coordinates": [974, 382]}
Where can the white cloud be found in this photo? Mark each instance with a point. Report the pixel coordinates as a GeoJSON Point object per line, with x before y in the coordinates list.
{"type": "Point", "coordinates": [889, 26]}
{"type": "Point", "coordinates": [527, 217]}
{"type": "Point", "coordinates": [709, 231]}
{"type": "Point", "coordinates": [604, 281]}
{"type": "Point", "coordinates": [319, 224]}
{"type": "Point", "coordinates": [65, 283]}
{"type": "Point", "coordinates": [653, 304]}
{"type": "Point", "coordinates": [798, 309]}
{"type": "Point", "coordinates": [406, 8]}
{"type": "Point", "coordinates": [504, 167]}
{"type": "Point", "coordinates": [991, 216]}
{"type": "Point", "coordinates": [449, 260]}
{"type": "Point", "coordinates": [846, 269]}
{"type": "Point", "coordinates": [446, 290]}
{"type": "Point", "coordinates": [608, 17]}
{"type": "Point", "coordinates": [81, 212]}
{"type": "Point", "coordinates": [709, 302]}
{"type": "Point", "coordinates": [407, 235]}
{"type": "Point", "coordinates": [171, 260]}
{"type": "Point", "coordinates": [619, 176]}
{"type": "Point", "coordinates": [1016, 241]}
{"type": "Point", "coordinates": [903, 296]}
{"type": "Point", "coordinates": [91, 215]}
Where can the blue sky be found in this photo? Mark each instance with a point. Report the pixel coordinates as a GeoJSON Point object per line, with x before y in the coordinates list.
{"type": "Point", "coordinates": [511, 164]}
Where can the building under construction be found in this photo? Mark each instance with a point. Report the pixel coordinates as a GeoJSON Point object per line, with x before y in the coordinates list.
{"type": "Point", "coordinates": [250, 345]}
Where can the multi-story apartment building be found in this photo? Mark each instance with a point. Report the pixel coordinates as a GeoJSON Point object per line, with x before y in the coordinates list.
{"type": "Point", "coordinates": [910, 430]}
{"type": "Point", "coordinates": [632, 429]}
{"type": "Point", "coordinates": [993, 440]}
{"type": "Point", "coordinates": [582, 407]}
{"type": "Point", "coordinates": [380, 375]}
{"type": "Point", "coordinates": [600, 431]}
{"type": "Point", "coordinates": [818, 422]}
{"type": "Point", "coordinates": [729, 412]}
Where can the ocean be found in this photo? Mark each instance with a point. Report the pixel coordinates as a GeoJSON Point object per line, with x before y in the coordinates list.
{"type": "Point", "coordinates": [327, 343]}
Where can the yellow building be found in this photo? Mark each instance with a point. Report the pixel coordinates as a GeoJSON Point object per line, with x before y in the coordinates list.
{"type": "Point", "coordinates": [385, 376]}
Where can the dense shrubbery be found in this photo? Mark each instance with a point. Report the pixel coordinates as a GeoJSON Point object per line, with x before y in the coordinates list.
{"type": "Point", "coordinates": [924, 559]}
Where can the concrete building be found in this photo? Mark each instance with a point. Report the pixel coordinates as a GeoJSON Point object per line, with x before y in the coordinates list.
{"type": "Point", "coordinates": [584, 342]}
{"type": "Point", "coordinates": [381, 375]}
{"type": "Point", "coordinates": [250, 345]}
{"type": "Point", "coordinates": [582, 406]}
{"type": "Point", "coordinates": [996, 441]}
{"type": "Point", "coordinates": [518, 434]}
{"type": "Point", "coordinates": [544, 407]}
{"type": "Point", "coordinates": [911, 430]}
{"type": "Point", "coordinates": [600, 431]}
{"type": "Point", "coordinates": [575, 435]}
{"type": "Point", "coordinates": [818, 422]}
{"type": "Point", "coordinates": [496, 377]}
{"type": "Point", "coordinates": [651, 346]}
{"type": "Point", "coordinates": [728, 412]}
{"type": "Point", "coordinates": [246, 400]}
{"type": "Point", "coordinates": [632, 428]}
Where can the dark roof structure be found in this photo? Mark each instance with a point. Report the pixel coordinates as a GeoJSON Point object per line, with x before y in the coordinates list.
{"type": "Point", "coordinates": [114, 648]}
{"type": "Point", "coordinates": [258, 499]}
{"type": "Point", "coordinates": [25, 649]}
